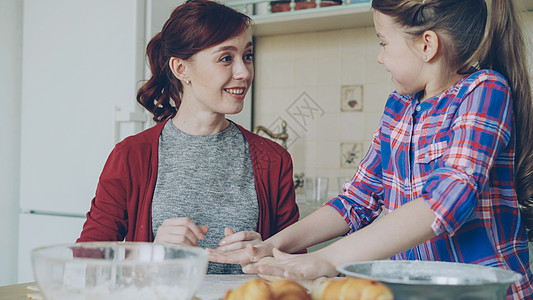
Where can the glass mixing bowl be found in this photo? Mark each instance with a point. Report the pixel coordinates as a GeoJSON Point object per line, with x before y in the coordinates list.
{"type": "Point", "coordinates": [119, 270]}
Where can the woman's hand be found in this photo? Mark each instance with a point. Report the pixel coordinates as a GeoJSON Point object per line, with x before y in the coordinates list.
{"type": "Point", "coordinates": [295, 266]}
{"type": "Point", "coordinates": [237, 241]}
{"type": "Point", "coordinates": [180, 231]}
{"type": "Point", "coordinates": [237, 253]}
{"type": "Point", "coordinates": [237, 248]}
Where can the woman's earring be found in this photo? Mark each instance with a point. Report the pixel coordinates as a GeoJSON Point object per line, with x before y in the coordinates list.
{"type": "Point", "coordinates": [425, 57]}
{"type": "Point", "coordinates": [187, 81]}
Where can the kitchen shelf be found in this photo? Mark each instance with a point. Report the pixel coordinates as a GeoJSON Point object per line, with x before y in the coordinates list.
{"type": "Point", "coordinates": [322, 19]}
{"type": "Point", "coordinates": [314, 19]}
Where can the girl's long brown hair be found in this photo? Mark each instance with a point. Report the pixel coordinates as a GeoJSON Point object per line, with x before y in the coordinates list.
{"type": "Point", "coordinates": [192, 27]}
{"type": "Point", "coordinates": [501, 48]}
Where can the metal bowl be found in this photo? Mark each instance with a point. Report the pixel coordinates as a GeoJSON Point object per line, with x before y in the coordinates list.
{"type": "Point", "coordinates": [116, 270]}
{"type": "Point", "coordinates": [415, 280]}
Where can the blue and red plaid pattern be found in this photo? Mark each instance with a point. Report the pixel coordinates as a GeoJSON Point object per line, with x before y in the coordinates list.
{"type": "Point", "coordinates": [458, 155]}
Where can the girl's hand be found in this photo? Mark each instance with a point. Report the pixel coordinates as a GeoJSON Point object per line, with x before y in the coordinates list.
{"type": "Point", "coordinates": [295, 266]}
{"type": "Point", "coordinates": [251, 253]}
{"type": "Point", "coordinates": [180, 231]}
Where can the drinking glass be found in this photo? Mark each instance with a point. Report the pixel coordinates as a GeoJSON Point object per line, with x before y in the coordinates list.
{"type": "Point", "coordinates": [316, 190]}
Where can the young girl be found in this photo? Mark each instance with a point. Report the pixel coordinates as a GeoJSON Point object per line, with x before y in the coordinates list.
{"type": "Point", "coordinates": [451, 163]}
{"type": "Point", "coordinates": [195, 177]}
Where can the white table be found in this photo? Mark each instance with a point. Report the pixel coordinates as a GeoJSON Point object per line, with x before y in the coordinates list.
{"type": "Point", "coordinates": [214, 287]}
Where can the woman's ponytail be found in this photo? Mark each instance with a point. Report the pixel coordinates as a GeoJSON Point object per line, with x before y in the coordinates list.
{"type": "Point", "coordinates": [504, 51]}
{"type": "Point", "coordinates": [162, 88]}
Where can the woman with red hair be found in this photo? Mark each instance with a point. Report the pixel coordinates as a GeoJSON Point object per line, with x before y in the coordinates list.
{"type": "Point", "coordinates": [195, 178]}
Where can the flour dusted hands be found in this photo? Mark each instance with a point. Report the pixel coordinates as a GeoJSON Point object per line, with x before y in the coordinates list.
{"type": "Point", "coordinates": [295, 266]}
{"type": "Point", "coordinates": [180, 231]}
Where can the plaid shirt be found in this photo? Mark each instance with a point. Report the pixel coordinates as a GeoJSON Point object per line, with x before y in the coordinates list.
{"type": "Point", "coordinates": [456, 151]}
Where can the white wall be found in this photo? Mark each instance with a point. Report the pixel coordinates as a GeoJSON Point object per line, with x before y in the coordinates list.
{"type": "Point", "coordinates": [10, 81]}
{"type": "Point", "coordinates": [319, 64]}
{"type": "Point", "coordinates": [300, 79]}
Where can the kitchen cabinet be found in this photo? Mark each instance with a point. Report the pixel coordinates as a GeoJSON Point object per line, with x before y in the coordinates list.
{"type": "Point", "coordinates": [319, 19]}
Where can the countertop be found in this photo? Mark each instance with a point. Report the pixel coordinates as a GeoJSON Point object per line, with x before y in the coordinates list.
{"type": "Point", "coordinates": [214, 287]}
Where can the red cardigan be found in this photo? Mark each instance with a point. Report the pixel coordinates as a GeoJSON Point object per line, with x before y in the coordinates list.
{"type": "Point", "coordinates": [122, 207]}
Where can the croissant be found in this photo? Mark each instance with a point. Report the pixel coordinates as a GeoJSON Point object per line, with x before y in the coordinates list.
{"type": "Point", "coordinates": [288, 290]}
{"type": "Point", "coordinates": [351, 288]}
{"type": "Point", "coordinates": [261, 290]}
{"type": "Point", "coordinates": [252, 289]}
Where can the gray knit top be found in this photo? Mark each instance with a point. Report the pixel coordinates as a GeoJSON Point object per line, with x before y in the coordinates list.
{"type": "Point", "coordinates": [208, 178]}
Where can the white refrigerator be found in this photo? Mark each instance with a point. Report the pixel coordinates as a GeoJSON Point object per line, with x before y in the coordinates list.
{"type": "Point", "coordinates": [82, 65]}
{"type": "Point", "coordinates": [81, 61]}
